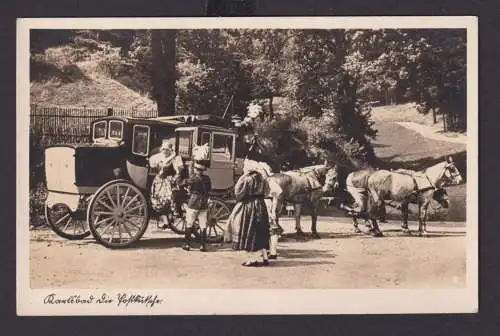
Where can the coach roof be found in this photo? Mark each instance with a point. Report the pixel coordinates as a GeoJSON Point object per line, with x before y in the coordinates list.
{"type": "Point", "coordinates": [177, 120]}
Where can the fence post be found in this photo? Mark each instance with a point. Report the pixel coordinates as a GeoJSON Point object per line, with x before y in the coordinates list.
{"type": "Point", "coordinates": [110, 111]}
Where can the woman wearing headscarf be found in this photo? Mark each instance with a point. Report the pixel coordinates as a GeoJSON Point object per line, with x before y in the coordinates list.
{"type": "Point", "coordinates": [163, 183]}
{"type": "Point", "coordinates": [249, 220]}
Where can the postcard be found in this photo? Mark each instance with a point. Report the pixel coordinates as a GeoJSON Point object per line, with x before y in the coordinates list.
{"type": "Point", "coordinates": [257, 165]}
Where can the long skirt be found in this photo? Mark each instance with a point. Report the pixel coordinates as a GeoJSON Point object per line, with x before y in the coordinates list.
{"type": "Point", "coordinates": [249, 223]}
{"type": "Point", "coordinates": [161, 193]}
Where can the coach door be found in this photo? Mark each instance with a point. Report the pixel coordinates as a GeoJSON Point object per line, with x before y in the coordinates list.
{"type": "Point", "coordinates": [221, 158]}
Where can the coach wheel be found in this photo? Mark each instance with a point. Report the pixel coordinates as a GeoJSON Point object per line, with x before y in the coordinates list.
{"type": "Point", "coordinates": [118, 214]}
{"type": "Point", "coordinates": [66, 223]}
{"type": "Point", "coordinates": [218, 214]}
{"type": "Point", "coordinates": [177, 224]}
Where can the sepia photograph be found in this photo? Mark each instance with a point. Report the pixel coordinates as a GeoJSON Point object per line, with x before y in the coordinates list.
{"type": "Point", "coordinates": [247, 166]}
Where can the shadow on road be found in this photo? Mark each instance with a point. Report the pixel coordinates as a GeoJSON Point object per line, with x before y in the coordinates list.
{"type": "Point", "coordinates": [305, 254]}
{"type": "Point", "coordinates": [388, 233]}
{"type": "Point", "coordinates": [294, 263]}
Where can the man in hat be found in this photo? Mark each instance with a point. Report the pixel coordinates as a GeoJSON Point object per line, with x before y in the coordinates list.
{"type": "Point", "coordinates": [199, 186]}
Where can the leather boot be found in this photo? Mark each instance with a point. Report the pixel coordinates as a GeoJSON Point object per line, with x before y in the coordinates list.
{"type": "Point", "coordinates": [187, 239]}
{"type": "Point", "coordinates": [203, 240]}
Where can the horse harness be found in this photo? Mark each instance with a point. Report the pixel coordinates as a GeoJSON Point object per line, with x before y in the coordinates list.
{"type": "Point", "coordinates": [416, 189]}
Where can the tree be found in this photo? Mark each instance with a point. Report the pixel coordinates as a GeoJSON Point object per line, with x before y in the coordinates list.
{"type": "Point", "coordinates": [211, 73]}
{"type": "Point", "coordinates": [163, 51]}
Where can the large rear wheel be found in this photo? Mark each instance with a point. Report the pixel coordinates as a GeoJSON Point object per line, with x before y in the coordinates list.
{"type": "Point", "coordinates": [118, 214]}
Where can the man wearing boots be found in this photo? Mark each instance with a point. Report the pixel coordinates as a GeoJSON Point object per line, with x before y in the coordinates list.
{"type": "Point", "coordinates": [199, 186]}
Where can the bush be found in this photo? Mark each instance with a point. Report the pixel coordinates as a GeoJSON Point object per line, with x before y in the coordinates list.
{"type": "Point", "coordinates": [72, 73]}
{"type": "Point", "coordinates": [41, 70]}
{"type": "Point", "coordinates": [111, 66]}
{"type": "Point", "coordinates": [90, 44]}
{"type": "Point", "coordinates": [38, 195]}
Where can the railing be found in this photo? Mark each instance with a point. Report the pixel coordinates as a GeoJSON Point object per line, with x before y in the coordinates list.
{"type": "Point", "coordinates": [72, 125]}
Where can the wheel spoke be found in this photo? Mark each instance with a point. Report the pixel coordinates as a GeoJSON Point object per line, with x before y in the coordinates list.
{"type": "Point", "coordinates": [125, 197]}
{"type": "Point", "coordinates": [117, 194]}
{"type": "Point", "coordinates": [110, 199]}
{"type": "Point", "coordinates": [98, 223]}
{"type": "Point", "coordinates": [226, 213]}
{"type": "Point", "coordinates": [119, 232]}
{"type": "Point", "coordinates": [106, 229]}
{"type": "Point", "coordinates": [134, 224]}
{"type": "Point", "coordinates": [82, 223]}
{"type": "Point", "coordinates": [105, 205]}
{"type": "Point", "coordinates": [67, 223]}
{"type": "Point", "coordinates": [127, 229]}
{"type": "Point", "coordinates": [134, 208]}
{"type": "Point", "coordinates": [62, 218]}
{"type": "Point", "coordinates": [109, 213]}
{"type": "Point", "coordinates": [131, 200]}
{"type": "Point", "coordinates": [112, 233]}
{"type": "Point", "coordinates": [218, 211]}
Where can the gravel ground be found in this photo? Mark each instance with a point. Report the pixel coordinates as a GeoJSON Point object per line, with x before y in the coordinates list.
{"type": "Point", "coordinates": [341, 259]}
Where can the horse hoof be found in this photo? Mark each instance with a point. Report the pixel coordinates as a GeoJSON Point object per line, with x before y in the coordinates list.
{"type": "Point", "coordinates": [300, 234]}
{"type": "Point", "coordinates": [378, 234]}
{"type": "Point", "coordinates": [356, 230]}
{"type": "Point", "coordinates": [315, 235]}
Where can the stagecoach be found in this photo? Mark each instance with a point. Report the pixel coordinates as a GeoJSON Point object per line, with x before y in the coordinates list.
{"type": "Point", "coordinates": [102, 187]}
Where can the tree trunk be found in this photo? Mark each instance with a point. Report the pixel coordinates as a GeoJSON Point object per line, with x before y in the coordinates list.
{"type": "Point", "coordinates": [444, 121]}
{"type": "Point", "coordinates": [434, 117]}
{"type": "Point", "coordinates": [163, 72]}
{"type": "Point", "coordinates": [271, 109]}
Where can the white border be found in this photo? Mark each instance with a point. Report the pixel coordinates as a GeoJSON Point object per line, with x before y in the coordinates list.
{"type": "Point", "coordinates": [30, 302]}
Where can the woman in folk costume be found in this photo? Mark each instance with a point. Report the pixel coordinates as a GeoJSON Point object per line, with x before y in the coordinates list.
{"type": "Point", "coordinates": [249, 220]}
{"type": "Point", "coordinates": [167, 166]}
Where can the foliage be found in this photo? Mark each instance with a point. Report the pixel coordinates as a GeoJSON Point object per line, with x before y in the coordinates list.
{"type": "Point", "coordinates": [213, 74]}
{"type": "Point", "coordinates": [327, 77]}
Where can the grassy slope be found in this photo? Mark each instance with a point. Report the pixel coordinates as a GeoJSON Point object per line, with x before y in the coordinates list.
{"type": "Point", "coordinates": [90, 88]}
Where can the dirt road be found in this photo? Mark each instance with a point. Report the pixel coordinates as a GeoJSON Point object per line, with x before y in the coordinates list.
{"type": "Point", "coordinates": [341, 259]}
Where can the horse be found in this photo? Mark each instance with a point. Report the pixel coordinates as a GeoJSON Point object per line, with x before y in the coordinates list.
{"type": "Point", "coordinates": [450, 176]}
{"type": "Point", "coordinates": [357, 188]}
{"type": "Point", "coordinates": [303, 187]}
{"type": "Point", "coordinates": [300, 187]}
{"type": "Point", "coordinates": [419, 188]}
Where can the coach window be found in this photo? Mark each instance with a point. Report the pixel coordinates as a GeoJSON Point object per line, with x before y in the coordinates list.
{"type": "Point", "coordinates": [140, 140]}
{"type": "Point", "coordinates": [116, 129]}
{"type": "Point", "coordinates": [185, 142]}
{"type": "Point", "coordinates": [99, 130]}
{"type": "Point", "coordinates": [222, 148]}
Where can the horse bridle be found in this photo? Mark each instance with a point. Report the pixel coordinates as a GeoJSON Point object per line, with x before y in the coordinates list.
{"type": "Point", "coordinates": [449, 167]}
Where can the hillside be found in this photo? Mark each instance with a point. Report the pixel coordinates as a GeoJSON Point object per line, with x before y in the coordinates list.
{"type": "Point", "coordinates": [58, 80]}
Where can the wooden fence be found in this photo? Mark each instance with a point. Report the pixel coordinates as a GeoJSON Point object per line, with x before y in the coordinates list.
{"type": "Point", "coordinates": [72, 125]}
